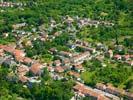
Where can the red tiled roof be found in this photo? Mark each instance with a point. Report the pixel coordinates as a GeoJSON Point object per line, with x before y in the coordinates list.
{"type": "Point", "coordinates": [7, 48]}
{"type": "Point", "coordinates": [78, 66]}
{"type": "Point", "coordinates": [19, 58]}
{"type": "Point", "coordinates": [22, 69]}
{"type": "Point", "coordinates": [89, 92]}
{"type": "Point", "coordinates": [75, 74]}
{"type": "Point", "coordinates": [35, 68]}
{"type": "Point", "coordinates": [126, 56]}
{"type": "Point", "coordinates": [27, 60]}
{"type": "Point", "coordinates": [117, 56]}
{"type": "Point", "coordinates": [17, 52]}
{"type": "Point", "coordinates": [23, 78]}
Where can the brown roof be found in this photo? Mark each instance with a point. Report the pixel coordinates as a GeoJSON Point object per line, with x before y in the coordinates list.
{"type": "Point", "coordinates": [7, 48]}
{"type": "Point", "coordinates": [23, 78]}
{"type": "Point", "coordinates": [81, 54]}
{"type": "Point", "coordinates": [19, 58]}
{"type": "Point", "coordinates": [35, 68]}
{"type": "Point", "coordinates": [17, 52]}
{"type": "Point", "coordinates": [79, 66]}
{"type": "Point", "coordinates": [66, 60]}
{"type": "Point", "coordinates": [22, 69]}
{"type": "Point", "coordinates": [101, 86]}
{"type": "Point", "coordinates": [27, 60]}
{"type": "Point", "coordinates": [75, 74]}
{"type": "Point", "coordinates": [59, 69]}
{"type": "Point", "coordinates": [117, 56]}
{"type": "Point", "coordinates": [89, 92]}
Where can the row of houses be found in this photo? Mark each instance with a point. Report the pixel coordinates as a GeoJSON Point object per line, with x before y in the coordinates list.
{"type": "Point", "coordinates": [85, 21]}
{"type": "Point", "coordinates": [23, 64]}
{"type": "Point", "coordinates": [81, 90]}
{"type": "Point", "coordinates": [127, 59]}
{"type": "Point", "coordinates": [11, 4]}
{"type": "Point", "coordinates": [113, 90]}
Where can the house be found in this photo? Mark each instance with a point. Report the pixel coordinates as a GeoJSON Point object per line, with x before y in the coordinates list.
{"type": "Point", "coordinates": [126, 57]}
{"type": "Point", "coordinates": [108, 95]}
{"type": "Point", "coordinates": [109, 54]}
{"type": "Point", "coordinates": [66, 68]}
{"type": "Point", "coordinates": [78, 67]}
{"type": "Point", "coordinates": [19, 25]}
{"type": "Point", "coordinates": [83, 43]}
{"type": "Point", "coordinates": [117, 57]}
{"type": "Point", "coordinates": [59, 69]}
{"type": "Point", "coordinates": [87, 91]}
{"type": "Point", "coordinates": [101, 86]}
{"type": "Point", "coordinates": [79, 59]}
{"type": "Point", "coordinates": [101, 46]}
{"type": "Point", "coordinates": [91, 50]}
{"type": "Point", "coordinates": [65, 53]}
{"type": "Point", "coordinates": [18, 53]}
{"type": "Point", "coordinates": [6, 4]}
{"type": "Point", "coordinates": [100, 58]}
{"type": "Point", "coordinates": [36, 68]}
{"type": "Point", "coordinates": [74, 74]}
{"type": "Point", "coordinates": [50, 69]}
{"type": "Point", "coordinates": [130, 63]}
{"type": "Point", "coordinates": [69, 20]}
{"type": "Point", "coordinates": [27, 61]}
{"type": "Point", "coordinates": [56, 76]}
{"type": "Point", "coordinates": [93, 23]}
{"type": "Point", "coordinates": [7, 48]}
{"type": "Point", "coordinates": [56, 34]}
{"type": "Point", "coordinates": [119, 48]}
{"type": "Point", "coordinates": [57, 62]}
{"type": "Point", "coordinates": [53, 50]}
{"type": "Point", "coordinates": [23, 79]}
{"type": "Point", "coordinates": [22, 70]}
{"type": "Point", "coordinates": [113, 90]}
{"type": "Point", "coordinates": [66, 62]}
{"type": "Point", "coordinates": [2, 52]}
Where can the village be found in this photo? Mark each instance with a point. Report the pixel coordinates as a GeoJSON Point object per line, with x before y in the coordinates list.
{"type": "Point", "coordinates": [67, 59]}
{"type": "Point", "coordinates": [69, 65]}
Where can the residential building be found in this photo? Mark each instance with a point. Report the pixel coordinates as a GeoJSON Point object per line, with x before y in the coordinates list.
{"type": "Point", "coordinates": [59, 69]}
{"type": "Point", "coordinates": [117, 57]}
{"type": "Point", "coordinates": [78, 67]}
{"type": "Point", "coordinates": [22, 70]}
{"type": "Point", "coordinates": [79, 59]}
{"type": "Point", "coordinates": [65, 53]}
{"type": "Point", "coordinates": [87, 91]}
{"type": "Point", "coordinates": [57, 62]}
{"type": "Point", "coordinates": [36, 68]}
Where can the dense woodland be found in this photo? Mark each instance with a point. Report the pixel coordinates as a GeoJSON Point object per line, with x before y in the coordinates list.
{"type": "Point", "coordinates": [38, 12]}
